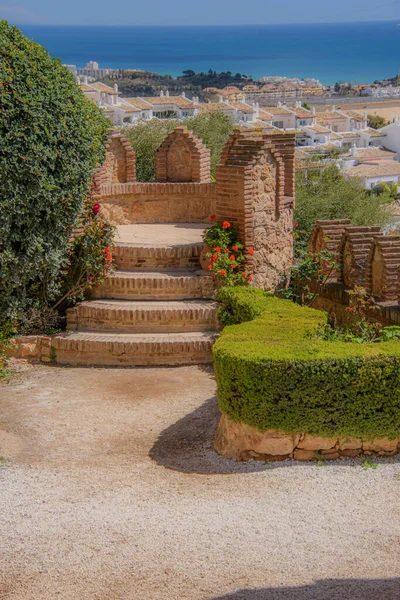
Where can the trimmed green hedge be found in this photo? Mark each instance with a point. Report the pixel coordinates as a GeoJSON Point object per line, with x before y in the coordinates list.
{"type": "Point", "coordinates": [272, 374]}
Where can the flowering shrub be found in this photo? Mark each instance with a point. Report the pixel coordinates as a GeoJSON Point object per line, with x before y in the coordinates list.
{"type": "Point", "coordinates": [90, 256]}
{"type": "Point", "coordinates": [226, 257]}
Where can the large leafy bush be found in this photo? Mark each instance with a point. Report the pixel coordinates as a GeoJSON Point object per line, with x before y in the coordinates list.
{"type": "Point", "coordinates": [272, 374]}
{"type": "Point", "coordinates": [51, 139]}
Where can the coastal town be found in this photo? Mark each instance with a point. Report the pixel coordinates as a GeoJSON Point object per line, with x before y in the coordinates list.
{"type": "Point", "coordinates": [322, 132]}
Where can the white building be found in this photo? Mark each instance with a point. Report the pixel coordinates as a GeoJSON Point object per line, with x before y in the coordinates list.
{"type": "Point", "coordinates": [372, 174]}
{"type": "Point", "coordinates": [392, 136]}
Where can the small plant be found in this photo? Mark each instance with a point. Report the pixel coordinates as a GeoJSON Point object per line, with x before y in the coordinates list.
{"type": "Point", "coordinates": [6, 332]}
{"type": "Point", "coordinates": [367, 464]}
{"type": "Point", "coordinates": [309, 274]}
{"type": "Point", "coordinates": [226, 256]}
{"type": "Point", "coordinates": [360, 329]}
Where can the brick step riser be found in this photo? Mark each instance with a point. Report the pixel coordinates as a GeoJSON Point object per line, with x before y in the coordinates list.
{"type": "Point", "coordinates": [150, 355]}
{"type": "Point", "coordinates": [132, 263]}
{"type": "Point", "coordinates": [117, 293]}
{"type": "Point", "coordinates": [144, 323]}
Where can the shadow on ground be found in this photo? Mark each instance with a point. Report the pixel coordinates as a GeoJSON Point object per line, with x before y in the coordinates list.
{"type": "Point", "coordinates": [187, 446]}
{"type": "Point", "coordinates": [329, 589]}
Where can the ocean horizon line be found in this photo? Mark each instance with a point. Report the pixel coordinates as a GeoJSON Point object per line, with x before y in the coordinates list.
{"type": "Point", "coordinates": [214, 25]}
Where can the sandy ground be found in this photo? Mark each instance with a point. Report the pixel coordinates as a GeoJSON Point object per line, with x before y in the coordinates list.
{"type": "Point", "coordinates": [110, 489]}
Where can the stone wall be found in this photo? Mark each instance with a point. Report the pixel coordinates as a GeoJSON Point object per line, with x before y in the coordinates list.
{"type": "Point", "coordinates": [158, 202]}
{"type": "Point", "coordinates": [255, 192]}
{"type": "Point", "coordinates": [242, 442]}
{"type": "Point", "coordinates": [366, 258]}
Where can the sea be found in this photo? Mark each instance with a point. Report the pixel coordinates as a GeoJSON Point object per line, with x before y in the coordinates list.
{"type": "Point", "coordinates": [330, 52]}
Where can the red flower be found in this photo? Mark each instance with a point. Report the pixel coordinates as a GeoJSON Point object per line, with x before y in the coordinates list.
{"type": "Point", "coordinates": [209, 267]}
{"type": "Point", "coordinates": [234, 266]}
{"type": "Point", "coordinates": [226, 250]}
{"type": "Point", "coordinates": [251, 251]}
{"type": "Point", "coordinates": [250, 277]}
{"type": "Point", "coordinates": [244, 274]}
{"type": "Point", "coordinates": [232, 257]}
{"type": "Point", "coordinates": [212, 217]}
{"type": "Point", "coordinates": [222, 272]}
{"type": "Point", "coordinates": [226, 225]}
{"type": "Point", "coordinates": [235, 248]}
{"type": "Point", "coordinates": [96, 208]}
{"type": "Point", "coordinates": [215, 256]}
{"type": "Point", "coordinates": [217, 249]}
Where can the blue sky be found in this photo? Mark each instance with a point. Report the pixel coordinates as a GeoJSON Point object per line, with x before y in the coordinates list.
{"type": "Point", "coordinates": [200, 12]}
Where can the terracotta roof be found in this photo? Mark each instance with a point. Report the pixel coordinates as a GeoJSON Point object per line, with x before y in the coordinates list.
{"type": "Point", "coordinates": [215, 106]}
{"type": "Point", "coordinates": [309, 149]}
{"type": "Point", "coordinates": [354, 115]}
{"type": "Point", "coordinates": [302, 113]}
{"type": "Point", "coordinates": [328, 115]}
{"type": "Point", "coordinates": [278, 110]}
{"type": "Point", "coordinates": [87, 88]}
{"type": "Point", "coordinates": [139, 103]}
{"type": "Point", "coordinates": [383, 169]}
{"type": "Point", "coordinates": [102, 87]}
{"type": "Point", "coordinates": [335, 136]}
{"type": "Point", "coordinates": [127, 109]}
{"type": "Point", "coordinates": [350, 135]}
{"type": "Point", "coordinates": [373, 132]}
{"type": "Point", "coordinates": [263, 114]}
{"type": "Point", "coordinates": [372, 152]}
{"type": "Point", "coordinates": [265, 126]}
{"type": "Point", "coordinates": [178, 101]}
{"type": "Point", "coordinates": [318, 128]}
{"type": "Point", "coordinates": [245, 108]}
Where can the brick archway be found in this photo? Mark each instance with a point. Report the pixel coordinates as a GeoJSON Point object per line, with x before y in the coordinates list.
{"type": "Point", "coordinates": [182, 158]}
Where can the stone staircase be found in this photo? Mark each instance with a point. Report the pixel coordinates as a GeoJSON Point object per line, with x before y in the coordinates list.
{"type": "Point", "coordinates": [156, 309]}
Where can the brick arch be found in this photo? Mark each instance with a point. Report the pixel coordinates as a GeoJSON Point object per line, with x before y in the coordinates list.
{"type": "Point", "coordinates": [327, 235]}
{"type": "Point", "coordinates": [120, 163]}
{"type": "Point", "coordinates": [182, 157]}
{"type": "Point", "coordinates": [354, 250]}
{"type": "Point", "coordinates": [255, 192]}
{"type": "Point", "coordinates": [383, 263]}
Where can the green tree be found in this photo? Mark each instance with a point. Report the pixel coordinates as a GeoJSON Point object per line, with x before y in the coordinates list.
{"type": "Point", "coordinates": [51, 139]}
{"type": "Point", "coordinates": [145, 138]}
{"type": "Point", "coordinates": [376, 121]}
{"type": "Point", "coordinates": [329, 195]}
{"type": "Point", "coordinates": [213, 128]}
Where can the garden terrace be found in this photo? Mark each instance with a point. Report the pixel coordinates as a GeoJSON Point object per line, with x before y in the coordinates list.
{"type": "Point", "coordinates": [296, 394]}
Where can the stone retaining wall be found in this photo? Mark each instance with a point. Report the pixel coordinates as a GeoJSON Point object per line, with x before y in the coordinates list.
{"type": "Point", "coordinates": [33, 347]}
{"type": "Point", "coordinates": [242, 442]}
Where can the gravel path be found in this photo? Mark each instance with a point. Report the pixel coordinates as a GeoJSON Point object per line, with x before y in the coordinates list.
{"type": "Point", "coordinates": [110, 490]}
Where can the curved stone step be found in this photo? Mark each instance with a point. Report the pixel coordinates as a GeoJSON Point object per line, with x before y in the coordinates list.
{"type": "Point", "coordinates": [176, 285]}
{"type": "Point", "coordinates": [132, 349]}
{"type": "Point", "coordinates": [143, 316]}
{"type": "Point", "coordinates": [132, 257]}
